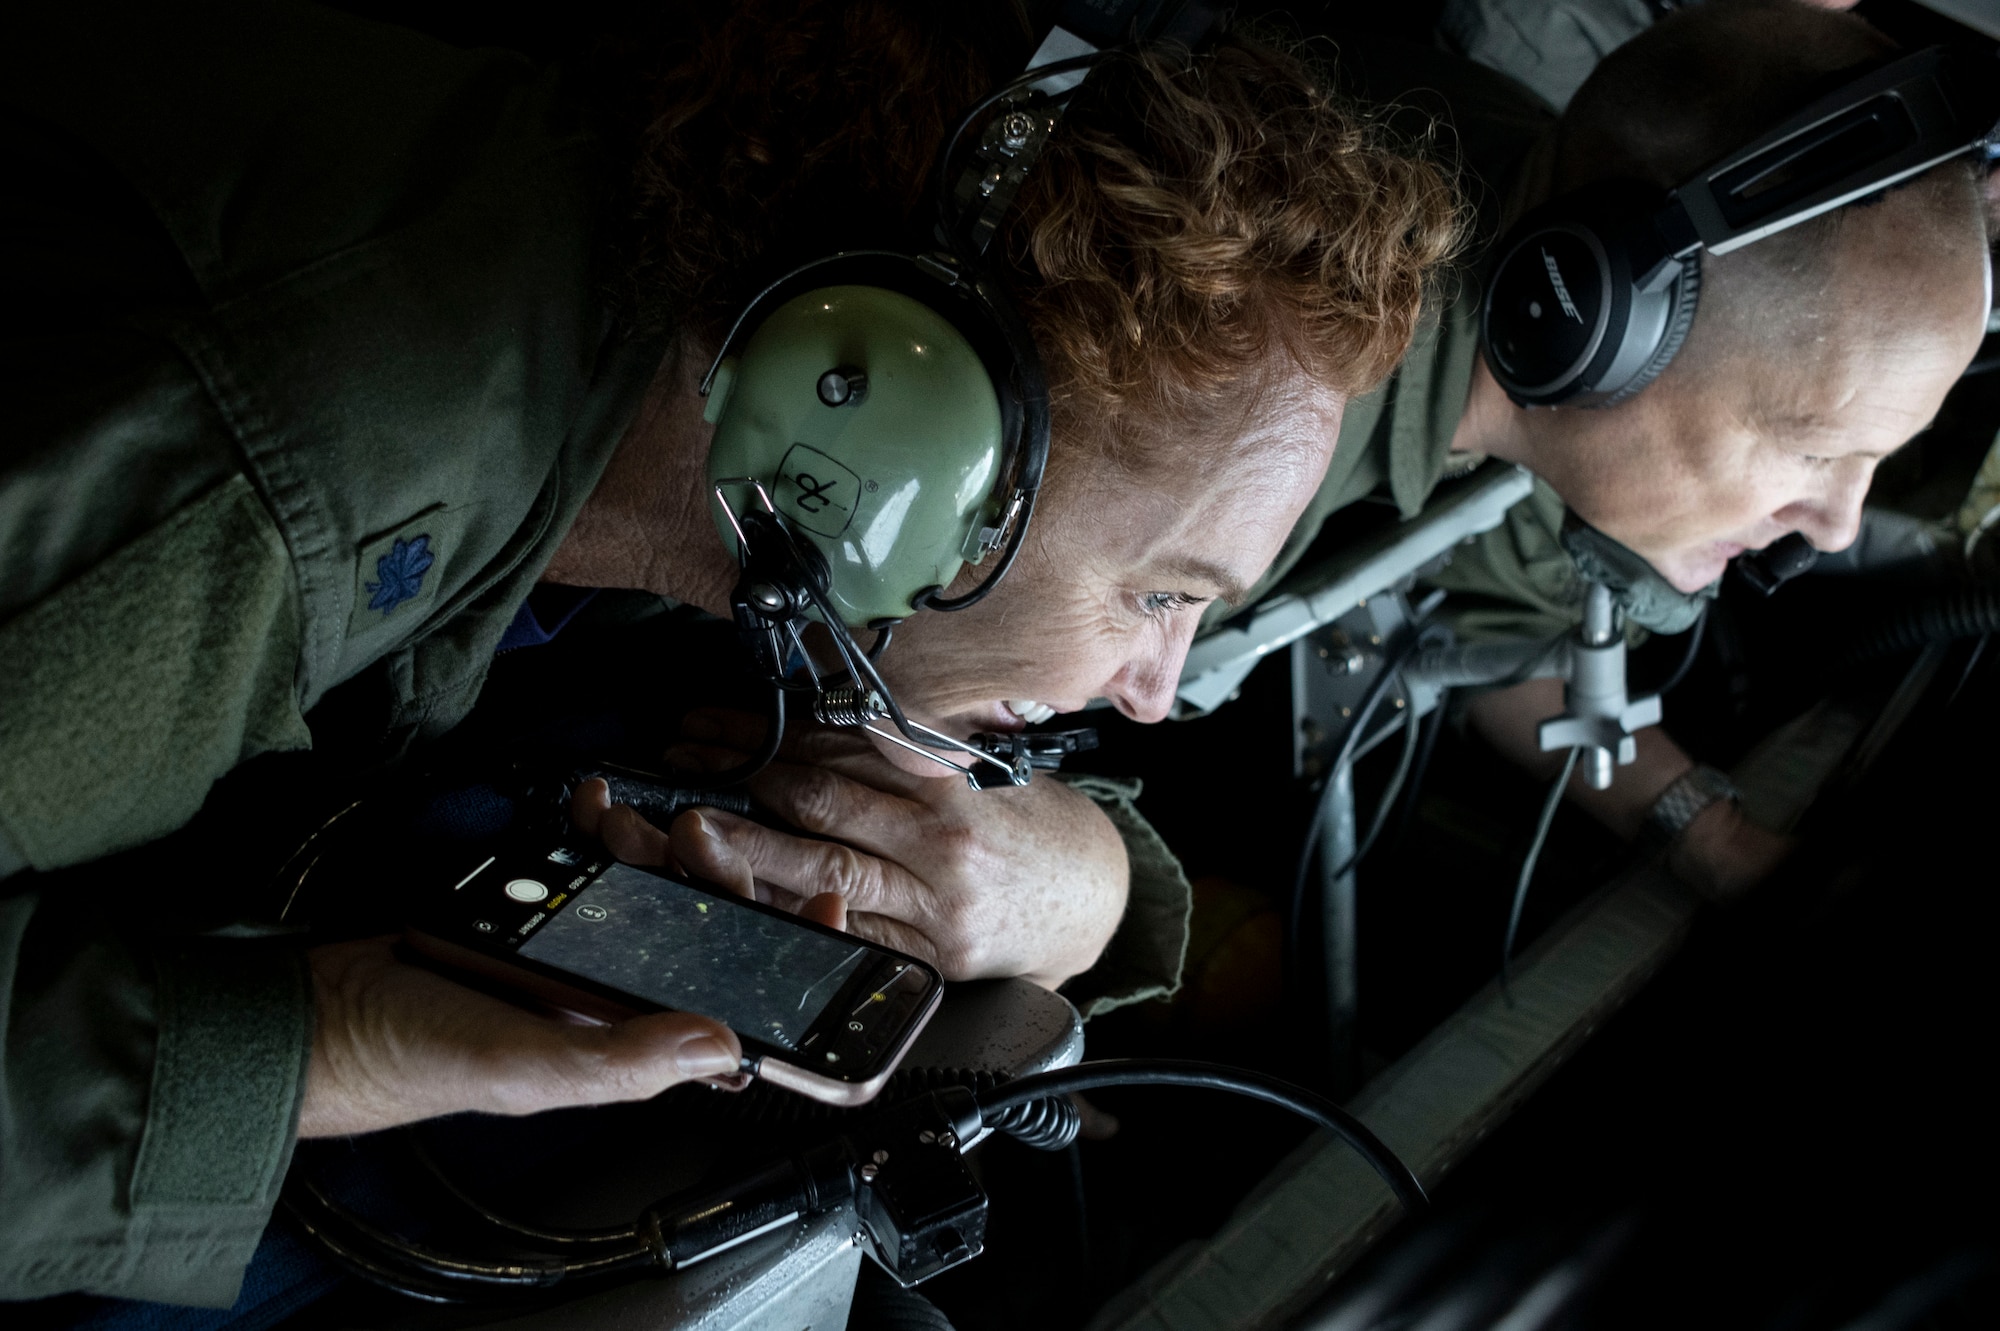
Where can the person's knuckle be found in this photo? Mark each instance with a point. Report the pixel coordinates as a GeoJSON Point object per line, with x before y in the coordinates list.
{"type": "Point", "coordinates": [818, 800]}
{"type": "Point", "coordinates": [847, 871]}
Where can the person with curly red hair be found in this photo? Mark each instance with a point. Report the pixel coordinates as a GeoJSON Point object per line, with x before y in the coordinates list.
{"type": "Point", "coordinates": [334, 345]}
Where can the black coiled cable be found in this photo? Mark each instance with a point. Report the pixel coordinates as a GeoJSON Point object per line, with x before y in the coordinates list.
{"type": "Point", "coordinates": [1969, 612]}
{"type": "Point", "coordinates": [1047, 1124]}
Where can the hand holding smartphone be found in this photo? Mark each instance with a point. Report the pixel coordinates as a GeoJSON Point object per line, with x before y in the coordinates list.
{"type": "Point", "coordinates": [818, 1011]}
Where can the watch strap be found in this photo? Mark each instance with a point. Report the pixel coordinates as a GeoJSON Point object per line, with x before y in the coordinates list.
{"type": "Point", "coordinates": [1682, 802]}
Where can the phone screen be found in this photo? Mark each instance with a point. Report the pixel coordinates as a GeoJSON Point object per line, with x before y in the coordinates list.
{"type": "Point", "coordinates": [605, 938]}
{"type": "Point", "coordinates": [668, 943]}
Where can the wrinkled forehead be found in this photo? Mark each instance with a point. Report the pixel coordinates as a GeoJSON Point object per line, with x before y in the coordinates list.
{"type": "Point", "coordinates": [1878, 339]}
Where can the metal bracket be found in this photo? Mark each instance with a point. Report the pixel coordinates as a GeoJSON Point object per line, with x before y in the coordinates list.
{"type": "Point", "coordinates": [1218, 664]}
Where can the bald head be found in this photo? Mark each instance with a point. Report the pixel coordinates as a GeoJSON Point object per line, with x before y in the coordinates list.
{"type": "Point", "coordinates": [1814, 353]}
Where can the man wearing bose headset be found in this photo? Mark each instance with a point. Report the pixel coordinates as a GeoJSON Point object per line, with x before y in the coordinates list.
{"type": "Point", "coordinates": [1820, 345]}
{"type": "Point", "coordinates": [1825, 337]}
{"type": "Point", "coordinates": [333, 342]}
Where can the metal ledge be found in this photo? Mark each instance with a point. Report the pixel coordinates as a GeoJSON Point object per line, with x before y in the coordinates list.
{"type": "Point", "coordinates": [1218, 664]}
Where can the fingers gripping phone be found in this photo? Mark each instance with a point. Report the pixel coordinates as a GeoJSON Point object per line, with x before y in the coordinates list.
{"type": "Point", "coordinates": [819, 1012]}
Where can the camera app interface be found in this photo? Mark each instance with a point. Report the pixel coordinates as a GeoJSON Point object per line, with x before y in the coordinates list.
{"type": "Point", "coordinates": [660, 940]}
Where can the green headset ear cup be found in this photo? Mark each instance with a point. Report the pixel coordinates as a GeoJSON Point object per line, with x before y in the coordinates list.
{"type": "Point", "coordinates": [1687, 295]}
{"type": "Point", "coordinates": [891, 487]}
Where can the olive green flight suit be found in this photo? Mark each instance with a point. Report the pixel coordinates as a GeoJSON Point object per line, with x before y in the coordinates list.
{"type": "Point", "coordinates": [305, 376]}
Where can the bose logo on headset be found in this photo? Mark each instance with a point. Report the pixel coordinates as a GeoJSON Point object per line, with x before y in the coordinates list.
{"type": "Point", "coordinates": [1562, 292]}
{"type": "Point", "coordinates": [1624, 264]}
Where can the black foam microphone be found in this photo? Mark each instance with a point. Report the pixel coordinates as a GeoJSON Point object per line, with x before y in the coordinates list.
{"type": "Point", "coordinates": [1777, 563]}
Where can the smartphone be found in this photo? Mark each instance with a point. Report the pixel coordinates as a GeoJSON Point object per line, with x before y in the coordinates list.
{"type": "Point", "coordinates": [819, 1012]}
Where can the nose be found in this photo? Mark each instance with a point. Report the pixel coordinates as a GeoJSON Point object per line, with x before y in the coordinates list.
{"type": "Point", "coordinates": [1144, 686]}
{"type": "Point", "coordinates": [1831, 519]}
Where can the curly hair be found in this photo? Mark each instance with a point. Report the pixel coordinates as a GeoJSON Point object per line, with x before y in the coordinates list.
{"type": "Point", "coordinates": [1193, 217]}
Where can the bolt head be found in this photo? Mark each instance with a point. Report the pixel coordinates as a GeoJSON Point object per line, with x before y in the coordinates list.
{"type": "Point", "coordinates": [1016, 127]}
{"type": "Point", "coordinates": [868, 1173]}
{"type": "Point", "coordinates": [766, 597]}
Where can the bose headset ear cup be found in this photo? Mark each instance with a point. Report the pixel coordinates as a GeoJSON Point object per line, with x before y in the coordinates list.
{"type": "Point", "coordinates": [1687, 295]}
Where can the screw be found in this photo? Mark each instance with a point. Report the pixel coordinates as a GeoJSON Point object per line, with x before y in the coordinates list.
{"type": "Point", "coordinates": [868, 1173]}
{"type": "Point", "coordinates": [766, 597]}
{"type": "Point", "coordinates": [881, 1157]}
{"type": "Point", "coordinates": [947, 1139]}
{"type": "Point", "coordinates": [1015, 129]}
{"type": "Point", "coordinates": [838, 387]}
{"type": "Point", "coordinates": [927, 1136]}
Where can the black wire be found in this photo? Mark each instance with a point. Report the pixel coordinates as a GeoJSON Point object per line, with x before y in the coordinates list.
{"type": "Point", "coordinates": [1032, 384]}
{"type": "Point", "coordinates": [422, 1272]}
{"type": "Point", "coordinates": [426, 1273]}
{"type": "Point", "coordinates": [1549, 807]}
{"type": "Point", "coordinates": [1390, 794]}
{"type": "Point", "coordinates": [1526, 671]}
{"type": "Point", "coordinates": [1687, 657]}
{"type": "Point", "coordinates": [1433, 726]}
{"type": "Point", "coordinates": [930, 599]}
{"type": "Point", "coordinates": [1370, 699]}
{"type": "Point", "coordinates": [623, 1236]}
{"type": "Point", "coordinates": [730, 776]}
{"type": "Point", "coordinates": [1214, 1076]}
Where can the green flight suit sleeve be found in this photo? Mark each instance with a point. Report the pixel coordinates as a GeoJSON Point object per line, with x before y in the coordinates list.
{"type": "Point", "coordinates": [148, 1104]}
{"type": "Point", "coordinates": [1144, 958]}
{"type": "Point", "coordinates": [149, 642]}
{"type": "Point", "coordinates": [1517, 580]}
{"type": "Point", "coordinates": [148, 1095]}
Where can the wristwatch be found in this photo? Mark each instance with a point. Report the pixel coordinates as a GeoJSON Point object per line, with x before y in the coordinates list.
{"type": "Point", "coordinates": [1681, 803]}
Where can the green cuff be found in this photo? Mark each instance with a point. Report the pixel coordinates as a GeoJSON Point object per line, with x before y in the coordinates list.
{"type": "Point", "coordinates": [1144, 958]}
{"type": "Point", "coordinates": [222, 1118]}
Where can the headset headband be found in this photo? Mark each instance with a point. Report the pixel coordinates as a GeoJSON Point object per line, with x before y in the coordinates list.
{"type": "Point", "coordinates": [1871, 134]}
{"type": "Point", "coordinates": [1596, 291]}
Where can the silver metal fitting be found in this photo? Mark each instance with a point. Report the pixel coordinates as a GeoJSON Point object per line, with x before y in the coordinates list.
{"type": "Point", "coordinates": [849, 707]}
{"type": "Point", "coordinates": [1598, 716]}
{"type": "Point", "coordinates": [1016, 128]}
